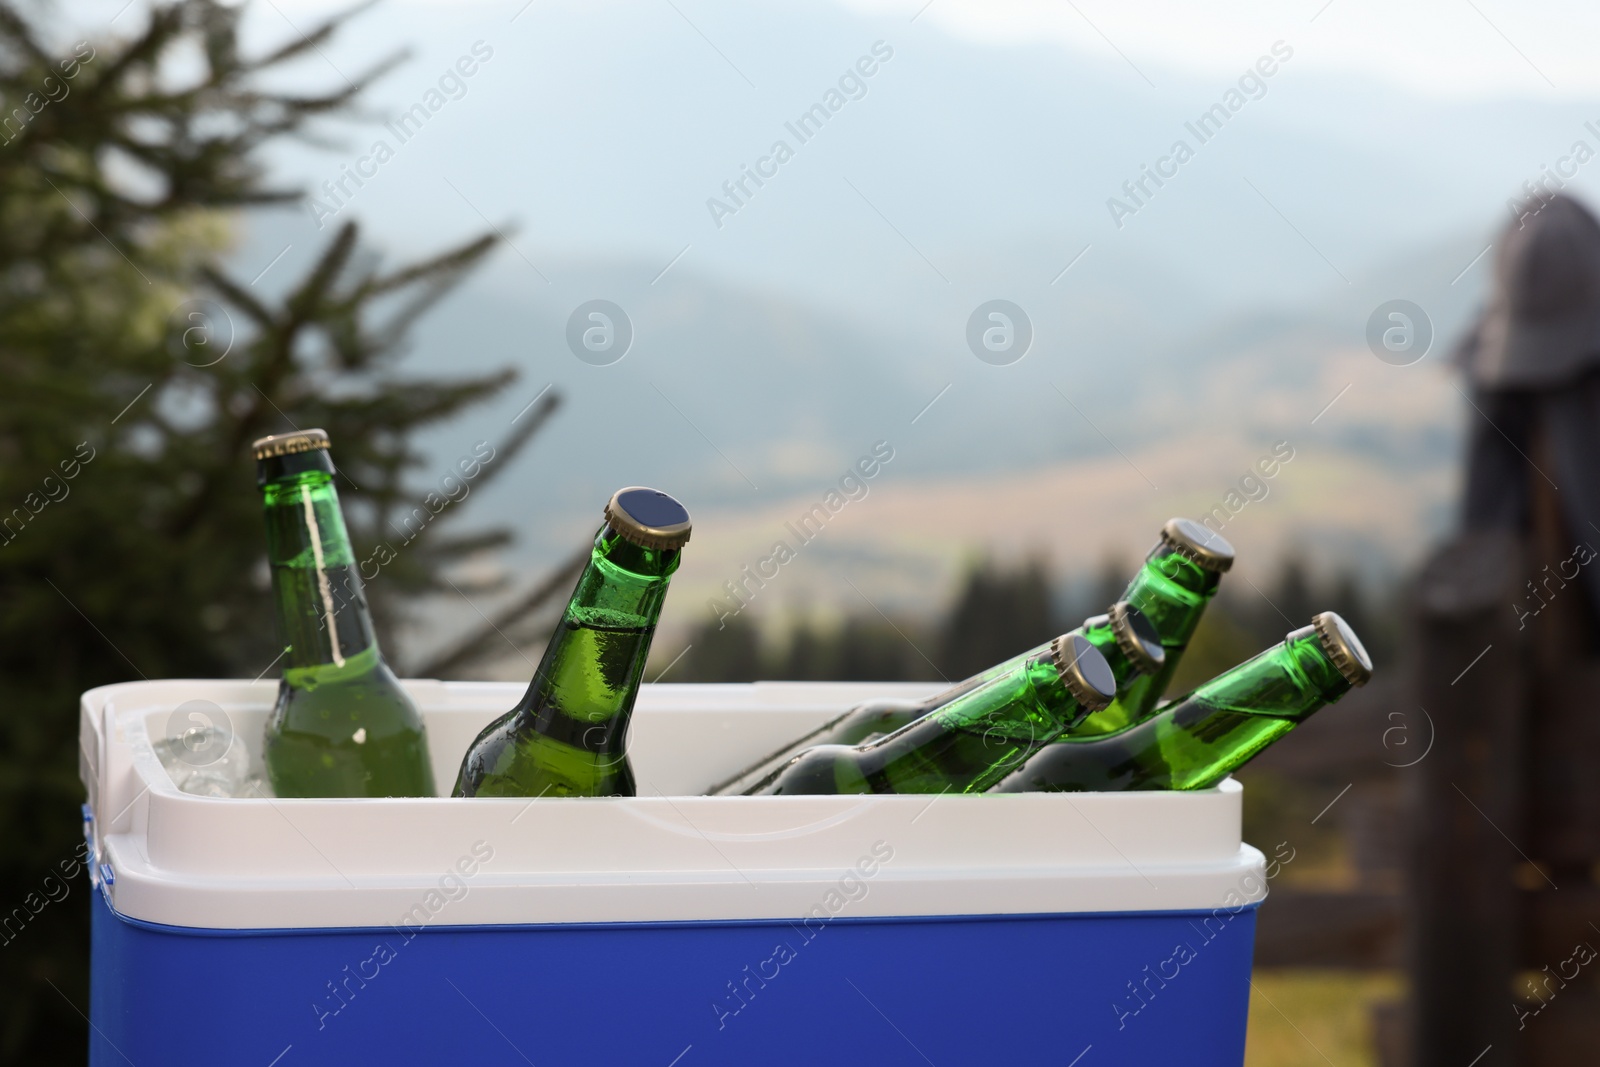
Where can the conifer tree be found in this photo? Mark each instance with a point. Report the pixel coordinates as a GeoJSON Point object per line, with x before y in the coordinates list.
{"type": "Point", "coordinates": [134, 372]}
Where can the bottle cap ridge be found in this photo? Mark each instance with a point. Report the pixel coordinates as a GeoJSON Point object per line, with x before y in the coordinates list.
{"type": "Point", "coordinates": [1137, 638]}
{"type": "Point", "coordinates": [1341, 645]}
{"type": "Point", "coordinates": [287, 444]}
{"type": "Point", "coordinates": [648, 518]}
{"type": "Point", "coordinates": [1206, 547]}
{"type": "Point", "coordinates": [1084, 671]}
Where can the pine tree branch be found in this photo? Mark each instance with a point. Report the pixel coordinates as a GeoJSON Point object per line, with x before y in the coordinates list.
{"type": "Point", "coordinates": [237, 295]}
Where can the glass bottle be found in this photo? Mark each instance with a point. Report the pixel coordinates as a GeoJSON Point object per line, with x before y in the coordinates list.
{"type": "Point", "coordinates": [970, 743]}
{"type": "Point", "coordinates": [1124, 635]}
{"type": "Point", "coordinates": [343, 726]}
{"type": "Point", "coordinates": [1200, 739]}
{"type": "Point", "coordinates": [567, 735]}
{"type": "Point", "coordinates": [1127, 640]}
{"type": "Point", "coordinates": [1172, 588]}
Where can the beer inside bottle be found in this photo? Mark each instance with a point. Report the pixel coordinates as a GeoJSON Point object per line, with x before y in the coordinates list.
{"type": "Point", "coordinates": [1129, 643]}
{"type": "Point", "coordinates": [968, 744]}
{"type": "Point", "coordinates": [1195, 742]}
{"type": "Point", "coordinates": [566, 737]}
{"type": "Point", "coordinates": [864, 722]}
{"type": "Point", "coordinates": [1178, 579]}
{"type": "Point", "coordinates": [342, 726]}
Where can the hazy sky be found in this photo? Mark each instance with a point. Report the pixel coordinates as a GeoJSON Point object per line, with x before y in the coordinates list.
{"type": "Point", "coordinates": [1447, 48]}
{"type": "Point", "coordinates": [1463, 49]}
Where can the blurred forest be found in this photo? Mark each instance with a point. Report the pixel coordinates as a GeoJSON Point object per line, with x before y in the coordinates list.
{"type": "Point", "coordinates": [999, 610]}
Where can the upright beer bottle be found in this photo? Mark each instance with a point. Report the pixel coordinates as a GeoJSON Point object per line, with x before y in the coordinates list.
{"type": "Point", "coordinates": [1178, 579]}
{"type": "Point", "coordinates": [566, 736]}
{"type": "Point", "coordinates": [1195, 742]}
{"type": "Point", "coordinates": [1127, 640]}
{"type": "Point", "coordinates": [970, 743]}
{"type": "Point", "coordinates": [342, 725]}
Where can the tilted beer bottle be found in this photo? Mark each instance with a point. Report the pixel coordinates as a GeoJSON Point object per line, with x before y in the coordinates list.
{"type": "Point", "coordinates": [864, 721]}
{"type": "Point", "coordinates": [1127, 640]}
{"type": "Point", "coordinates": [566, 736]}
{"type": "Point", "coordinates": [1178, 579]}
{"type": "Point", "coordinates": [1196, 741]}
{"type": "Point", "coordinates": [970, 743]}
{"type": "Point", "coordinates": [342, 725]}
{"type": "Point", "coordinates": [1130, 645]}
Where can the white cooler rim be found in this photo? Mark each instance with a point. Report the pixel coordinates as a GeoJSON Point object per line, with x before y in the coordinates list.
{"type": "Point", "coordinates": [170, 859]}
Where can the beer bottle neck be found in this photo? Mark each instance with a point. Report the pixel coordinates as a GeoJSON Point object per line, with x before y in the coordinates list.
{"type": "Point", "coordinates": [1099, 633]}
{"type": "Point", "coordinates": [591, 669]}
{"type": "Point", "coordinates": [969, 744]}
{"type": "Point", "coordinates": [1172, 590]}
{"type": "Point", "coordinates": [1028, 704]}
{"type": "Point", "coordinates": [321, 607]}
{"type": "Point", "coordinates": [1227, 722]}
{"type": "Point", "coordinates": [622, 584]}
{"type": "Point", "coordinates": [1288, 682]}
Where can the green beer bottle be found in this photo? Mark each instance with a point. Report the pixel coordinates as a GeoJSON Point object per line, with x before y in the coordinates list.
{"type": "Point", "coordinates": [1196, 741]}
{"type": "Point", "coordinates": [342, 725]}
{"type": "Point", "coordinates": [970, 743]}
{"type": "Point", "coordinates": [1127, 640]}
{"type": "Point", "coordinates": [1178, 579]}
{"type": "Point", "coordinates": [863, 722]}
{"type": "Point", "coordinates": [1131, 646]}
{"type": "Point", "coordinates": [566, 737]}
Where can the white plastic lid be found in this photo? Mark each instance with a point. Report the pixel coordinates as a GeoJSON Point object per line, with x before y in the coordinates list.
{"type": "Point", "coordinates": [166, 856]}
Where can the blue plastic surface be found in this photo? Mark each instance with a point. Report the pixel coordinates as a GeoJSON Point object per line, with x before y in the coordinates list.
{"type": "Point", "coordinates": [1133, 989]}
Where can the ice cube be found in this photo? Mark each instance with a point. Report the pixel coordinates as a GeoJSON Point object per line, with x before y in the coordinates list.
{"type": "Point", "coordinates": [212, 761]}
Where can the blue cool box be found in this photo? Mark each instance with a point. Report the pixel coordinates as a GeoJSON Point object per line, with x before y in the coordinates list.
{"type": "Point", "coordinates": [665, 929]}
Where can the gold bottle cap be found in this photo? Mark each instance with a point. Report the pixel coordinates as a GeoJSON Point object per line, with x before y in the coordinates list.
{"type": "Point", "coordinates": [1137, 638]}
{"type": "Point", "coordinates": [285, 444]}
{"type": "Point", "coordinates": [1343, 647]}
{"type": "Point", "coordinates": [648, 518]}
{"type": "Point", "coordinates": [1084, 671]}
{"type": "Point", "coordinates": [1207, 548]}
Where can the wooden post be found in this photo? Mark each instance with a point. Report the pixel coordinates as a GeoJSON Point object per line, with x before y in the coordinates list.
{"type": "Point", "coordinates": [1468, 836]}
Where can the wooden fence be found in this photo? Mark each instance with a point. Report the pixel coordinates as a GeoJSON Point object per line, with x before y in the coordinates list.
{"type": "Point", "coordinates": [1472, 824]}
